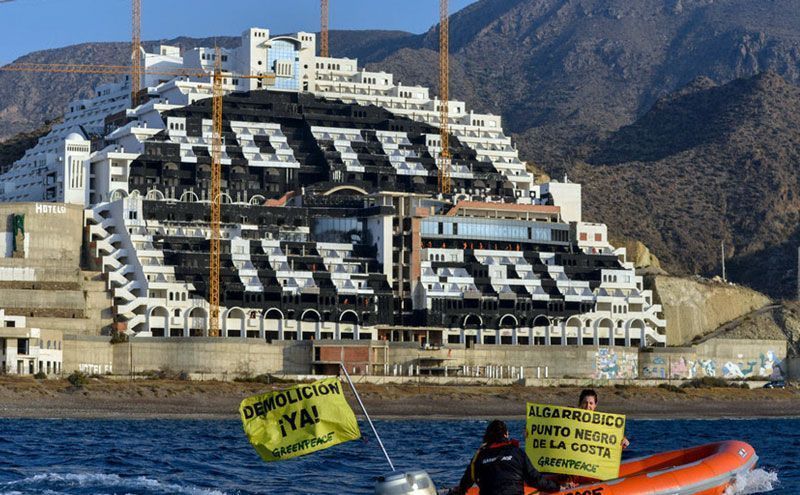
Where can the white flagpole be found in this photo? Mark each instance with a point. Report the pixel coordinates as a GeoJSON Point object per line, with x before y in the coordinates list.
{"type": "Point", "coordinates": [366, 415]}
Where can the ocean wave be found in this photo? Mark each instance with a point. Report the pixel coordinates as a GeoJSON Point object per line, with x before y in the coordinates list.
{"type": "Point", "coordinates": [101, 481]}
{"type": "Point", "coordinates": [755, 481]}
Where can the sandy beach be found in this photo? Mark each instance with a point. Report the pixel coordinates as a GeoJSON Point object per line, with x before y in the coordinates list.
{"type": "Point", "coordinates": [144, 399]}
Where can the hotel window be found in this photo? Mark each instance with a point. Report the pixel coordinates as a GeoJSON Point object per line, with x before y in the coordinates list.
{"type": "Point", "coordinates": [583, 236]}
{"type": "Point", "coordinates": [598, 237]}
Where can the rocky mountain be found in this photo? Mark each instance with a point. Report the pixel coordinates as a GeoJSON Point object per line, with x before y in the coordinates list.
{"type": "Point", "coordinates": [563, 73]}
{"type": "Point", "coordinates": [13, 149]}
{"type": "Point", "coordinates": [707, 165]}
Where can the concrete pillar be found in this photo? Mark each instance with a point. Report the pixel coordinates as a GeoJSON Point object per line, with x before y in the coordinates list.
{"type": "Point", "coordinates": [280, 329]}
{"type": "Point", "coordinates": [547, 340]}
{"type": "Point", "coordinates": [317, 330]}
{"type": "Point", "coordinates": [597, 335]}
{"type": "Point", "coordinates": [514, 336]}
{"type": "Point", "coordinates": [498, 337]}
{"type": "Point", "coordinates": [356, 331]}
{"type": "Point", "coordinates": [627, 336]}
{"type": "Point", "coordinates": [337, 331]}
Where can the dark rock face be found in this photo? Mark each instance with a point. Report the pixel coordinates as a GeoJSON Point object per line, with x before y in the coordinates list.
{"type": "Point", "coordinates": [707, 165]}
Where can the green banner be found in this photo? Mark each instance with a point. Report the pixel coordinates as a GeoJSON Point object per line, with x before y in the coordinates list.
{"type": "Point", "coordinates": [299, 420]}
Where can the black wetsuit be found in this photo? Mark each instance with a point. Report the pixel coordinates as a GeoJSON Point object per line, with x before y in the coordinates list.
{"type": "Point", "coordinates": [503, 469]}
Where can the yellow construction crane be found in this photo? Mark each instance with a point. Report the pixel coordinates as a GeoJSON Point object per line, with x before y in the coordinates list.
{"type": "Point", "coordinates": [445, 183]}
{"type": "Point", "coordinates": [323, 32]}
{"type": "Point", "coordinates": [216, 197]}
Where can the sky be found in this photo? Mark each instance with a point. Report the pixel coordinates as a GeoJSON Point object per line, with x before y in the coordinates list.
{"type": "Point", "coordinates": [30, 25]}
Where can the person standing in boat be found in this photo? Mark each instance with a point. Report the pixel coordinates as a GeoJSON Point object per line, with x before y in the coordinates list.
{"type": "Point", "coordinates": [500, 467]}
{"type": "Point", "coordinates": [588, 401]}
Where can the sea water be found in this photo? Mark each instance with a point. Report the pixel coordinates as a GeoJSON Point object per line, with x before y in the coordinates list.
{"type": "Point", "coordinates": [160, 457]}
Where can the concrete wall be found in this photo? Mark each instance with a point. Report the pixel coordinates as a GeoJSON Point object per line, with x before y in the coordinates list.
{"type": "Point", "coordinates": [53, 234]}
{"type": "Point", "coordinates": [92, 355]}
{"type": "Point", "coordinates": [235, 357]}
{"type": "Point", "coordinates": [213, 356]}
{"type": "Point", "coordinates": [793, 368]}
{"type": "Point", "coordinates": [723, 358]}
{"type": "Point", "coordinates": [738, 358]}
{"type": "Point", "coordinates": [559, 361]}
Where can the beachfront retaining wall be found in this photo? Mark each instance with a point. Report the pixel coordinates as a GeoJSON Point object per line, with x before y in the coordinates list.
{"type": "Point", "coordinates": [537, 361]}
{"type": "Point", "coordinates": [723, 358]}
{"type": "Point", "coordinates": [91, 355]}
{"type": "Point", "coordinates": [236, 357]}
{"type": "Point", "coordinates": [793, 368]}
{"type": "Point", "coordinates": [213, 357]}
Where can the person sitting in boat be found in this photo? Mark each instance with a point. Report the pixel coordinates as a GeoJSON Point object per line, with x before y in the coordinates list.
{"type": "Point", "coordinates": [500, 467]}
{"type": "Point", "coordinates": [588, 401]}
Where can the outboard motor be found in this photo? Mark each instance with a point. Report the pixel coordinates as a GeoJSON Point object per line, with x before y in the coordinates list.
{"type": "Point", "coordinates": [409, 483]}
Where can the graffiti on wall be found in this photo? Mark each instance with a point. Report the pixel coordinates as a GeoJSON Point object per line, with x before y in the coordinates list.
{"type": "Point", "coordinates": [767, 366]}
{"type": "Point", "coordinates": [95, 369]}
{"type": "Point", "coordinates": [657, 369]}
{"type": "Point", "coordinates": [610, 365]}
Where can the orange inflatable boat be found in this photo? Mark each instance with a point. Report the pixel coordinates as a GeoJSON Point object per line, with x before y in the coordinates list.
{"type": "Point", "coordinates": [705, 470]}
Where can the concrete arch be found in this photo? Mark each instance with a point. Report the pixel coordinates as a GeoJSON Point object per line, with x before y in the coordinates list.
{"type": "Point", "coordinates": [257, 200]}
{"type": "Point", "coordinates": [345, 188]}
{"type": "Point", "coordinates": [196, 322]}
{"type": "Point", "coordinates": [155, 195]}
{"type": "Point", "coordinates": [635, 324]}
{"type": "Point", "coordinates": [472, 320]}
{"type": "Point", "coordinates": [573, 322]}
{"type": "Point", "coordinates": [154, 313]}
{"type": "Point", "coordinates": [604, 323]}
{"type": "Point", "coordinates": [288, 39]}
{"type": "Point", "coordinates": [355, 319]}
{"type": "Point", "coordinates": [225, 199]}
{"type": "Point", "coordinates": [189, 197]}
{"type": "Point", "coordinates": [540, 321]}
{"type": "Point", "coordinates": [230, 323]}
{"type": "Point", "coordinates": [235, 308]}
{"type": "Point", "coordinates": [273, 311]}
{"type": "Point", "coordinates": [508, 321]}
{"type": "Point", "coordinates": [310, 311]}
{"type": "Point", "coordinates": [117, 194]}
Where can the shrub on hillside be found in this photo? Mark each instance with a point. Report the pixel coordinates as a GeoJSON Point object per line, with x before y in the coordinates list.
{"type": "Point", "coordinates": [77, 379]}
{"type": "Point", "coordinates": [119, 338]}
{"type": "Point", "coordinates": [672, 388]}
{"type": "Point", "coordinates": [266, 379]}
{"type": "Point", "coordinates": [708, 382]}
{"type": "Point", "coordinates": [40, 375]}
